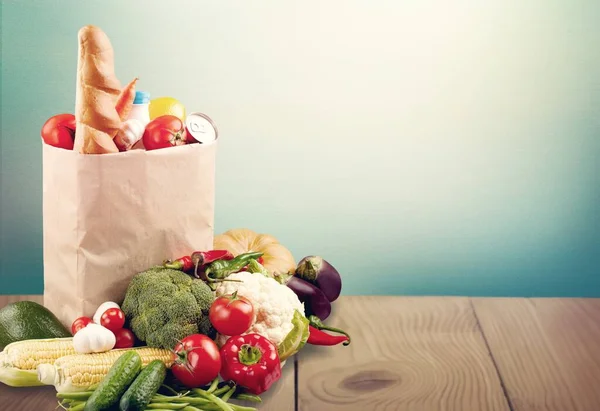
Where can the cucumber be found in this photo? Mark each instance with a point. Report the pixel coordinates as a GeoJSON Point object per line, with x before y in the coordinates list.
{"type": "Point", "coordinates": [28, 320]}
{"type": "Point", "coordinates": [139, 394]}
{"type": "Point", "coordinates": [120, 375]}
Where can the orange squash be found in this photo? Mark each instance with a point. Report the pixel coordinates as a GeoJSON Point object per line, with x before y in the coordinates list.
{"type": "Point", "coordinates": [276, 258]}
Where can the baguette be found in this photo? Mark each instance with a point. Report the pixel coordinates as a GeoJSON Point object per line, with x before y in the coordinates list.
{"type": "Point", "coordinates": [98, 88]}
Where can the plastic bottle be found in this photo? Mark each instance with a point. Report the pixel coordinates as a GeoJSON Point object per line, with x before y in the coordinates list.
{"type": "Point", "coordinates": [139, 111]}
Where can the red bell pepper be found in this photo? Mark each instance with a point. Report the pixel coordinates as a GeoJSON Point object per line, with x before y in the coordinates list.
{"type": "Point", "coordinates": [250, 361]}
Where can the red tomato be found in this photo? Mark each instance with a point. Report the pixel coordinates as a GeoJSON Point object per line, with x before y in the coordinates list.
{"type": "Point", "coordinates": [163, 132]}
{"type": "Point", "coordinates": [59, 131]}
{"type": "Point", "coordinates": [231, 315]}
{"type": "Point", "coordinates": [197, 361]}
{"type": "Point", "coordinates": [113, 319]}
{"type": "Point", "coordinates": [80, 323]}
{"type": "Point", "coordinates": [125, 338]}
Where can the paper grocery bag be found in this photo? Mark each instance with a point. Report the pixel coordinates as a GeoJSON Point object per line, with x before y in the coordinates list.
{"type": "Point", "coordinates": [107, 217]}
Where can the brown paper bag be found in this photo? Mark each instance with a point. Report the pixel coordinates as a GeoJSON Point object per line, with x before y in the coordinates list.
{"type": "Point", "coordinates": [107, 217]}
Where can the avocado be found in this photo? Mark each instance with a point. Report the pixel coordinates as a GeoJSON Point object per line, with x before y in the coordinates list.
{"type": "Point", "coordinates": [28, 320]}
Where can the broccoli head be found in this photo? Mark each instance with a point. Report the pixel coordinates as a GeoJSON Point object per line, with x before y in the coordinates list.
{"type": "Point", "coordinates": [164, 306]}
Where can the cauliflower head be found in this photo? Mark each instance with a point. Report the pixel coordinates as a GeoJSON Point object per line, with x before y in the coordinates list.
{"type": "Point", "coordinates": [274, 304]}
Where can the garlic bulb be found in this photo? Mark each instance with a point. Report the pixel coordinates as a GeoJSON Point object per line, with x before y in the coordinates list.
{"type": "Point", "coordinates": [93, 338]}
{"type": "Point", "coordinates": [131, 132]}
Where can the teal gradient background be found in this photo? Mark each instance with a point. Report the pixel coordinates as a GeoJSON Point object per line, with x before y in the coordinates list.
{"type": "Point", "coordinates": [423, 147]}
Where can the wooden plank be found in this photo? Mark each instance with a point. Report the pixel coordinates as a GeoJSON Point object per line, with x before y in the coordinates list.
{"type": "Point", "coordinates": [28, 399]}
{"type": "Point", "coordinates": [281, 396]}
{"type": "Point", "coordinates": [547, 350]}
{"type": "Point", "coordinates": [7, 299]}
{"type": "Point", "coordinates": [423, 353]}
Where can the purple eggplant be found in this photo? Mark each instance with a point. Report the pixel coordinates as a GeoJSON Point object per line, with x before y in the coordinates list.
{"type": "Point", "coordinates": [319, 272]}
{"type": "Point", "coordinates": [315, 302]}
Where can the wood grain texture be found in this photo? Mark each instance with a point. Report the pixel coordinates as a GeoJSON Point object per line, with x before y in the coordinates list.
{"type": "Point", "coordinates": [7, 299]}
{"type": "Point", "coordinates": [423, 353]}
{"type": "Point", "coordinates": [547, 350]}
{"type": "Point", "coordinates": [281, 396]}
{"type": "Point", "coordinates": [28, 399]}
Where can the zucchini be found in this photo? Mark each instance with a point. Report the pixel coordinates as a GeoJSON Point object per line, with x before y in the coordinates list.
{"type": "Point", "coordinates": [138, 395]}
{"type": "Point", "coordinates": [28, 320]}
{"type": "Point", "coordinates": [120, 375]}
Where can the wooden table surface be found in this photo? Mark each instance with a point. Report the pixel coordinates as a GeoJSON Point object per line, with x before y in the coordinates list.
{"type": "Point", "coordinates": [433, 353]}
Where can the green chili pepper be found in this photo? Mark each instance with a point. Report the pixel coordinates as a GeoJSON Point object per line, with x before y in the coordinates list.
{"type": "Point", "coordinates": [220, 269]}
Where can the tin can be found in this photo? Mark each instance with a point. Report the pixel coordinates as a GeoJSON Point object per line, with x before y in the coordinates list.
{"type": "Point", "coordinates": [201, 128]}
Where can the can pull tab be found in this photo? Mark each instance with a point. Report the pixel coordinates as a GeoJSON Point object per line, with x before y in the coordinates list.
{"type": "Point", "coordinates": [197, 127]}
{"type": "Point", "coordinates": [201, 128]}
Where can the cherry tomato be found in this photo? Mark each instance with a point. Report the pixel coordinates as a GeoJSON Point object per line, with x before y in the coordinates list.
{"type": "Point", "coordinates": [59, 131]}
{"type": "Point", "coordinates": [164, 131]}
{"type": "Point", "coordinates": [80, 323]}
{"type": "Point", "coordinates": [113, 319]}
{"type": "Point", "coordinates": [231, 314]}
{"type": "Point", "coordinates": [125, 338]}
{"type": "Point", "coordinates": [197, 361]}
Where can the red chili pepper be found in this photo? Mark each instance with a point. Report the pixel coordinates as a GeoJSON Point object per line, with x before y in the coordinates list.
{"type": "Point", "coordinates": [182, 264]}
{"type": "Point", "coordinates": [202, 258]}
{"type": "Point", "coordinates": [250, 361]}
{"type": "Point", "coordinates": [207, 257]}
{"type": "Point", "coordinates": [318, 337]}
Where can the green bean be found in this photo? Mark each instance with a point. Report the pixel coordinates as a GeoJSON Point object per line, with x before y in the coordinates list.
{"type": "Point", "coordinates": [189, 400]}
{"type": "Point", "coordinates": [74, 395]}
{"type": "Point", "coordinates": [216, 400]}
{"type": "Point", "coordinates": [228, 394]}
{"type": "Point", "coordinates": [167, 405]}
{"type": "Point", "coordinates": [221, 390]}
{"type": "Point", "coordinates": [214, 384]}
{"type": "Point", "coordinates": [166, 387]}
{"type": "Point", "coordinates": [73, 402]}
{"type": "Point", "coordinates": [244, 396]}
{"type": "Point", "coordinates": [78, 407]}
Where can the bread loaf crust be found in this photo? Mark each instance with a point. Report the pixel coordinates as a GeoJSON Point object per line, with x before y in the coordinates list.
{"type": "Point", "coordinates": [96, 95]}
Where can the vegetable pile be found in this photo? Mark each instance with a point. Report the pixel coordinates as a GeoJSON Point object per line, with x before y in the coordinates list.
{"type": "Point", "coordinates": [103, 332]}
{"type": "Point", "coordinates": [191, 334]}
{"type": "Point", "coordinates": [129, 386]}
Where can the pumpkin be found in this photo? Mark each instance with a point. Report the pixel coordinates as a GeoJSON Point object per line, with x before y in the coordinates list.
{"type": "Point", "coordinates": [276, 258]}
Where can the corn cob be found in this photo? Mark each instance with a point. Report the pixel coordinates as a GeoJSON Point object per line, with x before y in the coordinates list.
{"type": "Point", "coordinates": [19, 360]}
{"type": "Point", "coordinates": [80, 372]}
